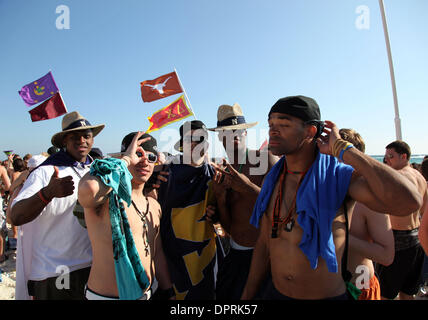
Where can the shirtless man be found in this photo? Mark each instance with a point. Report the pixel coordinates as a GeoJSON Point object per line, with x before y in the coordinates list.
{"type": "Point", "coordinates": [236, 193]}
{"type": "Point", "coordinates": [140, 156]}
{"type": "Point", "coordinates": [370, 238]}
{"type": "Point", "coordinates": [404, 275]}
{"type": "Point", "coordinates": [299, 270]}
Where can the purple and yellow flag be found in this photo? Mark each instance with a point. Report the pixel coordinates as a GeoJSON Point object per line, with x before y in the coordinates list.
{"type": "Point", "coordinates": [39, 90]}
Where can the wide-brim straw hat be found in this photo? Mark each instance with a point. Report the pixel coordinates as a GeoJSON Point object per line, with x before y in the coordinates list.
{"type": "Point", "coordinates": [231, 118]}
{"type": "Point", "coordinates": [73, 121]}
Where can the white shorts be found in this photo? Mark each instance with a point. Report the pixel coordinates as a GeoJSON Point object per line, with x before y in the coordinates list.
{"type": "Point", "coordinates": [92, 295]}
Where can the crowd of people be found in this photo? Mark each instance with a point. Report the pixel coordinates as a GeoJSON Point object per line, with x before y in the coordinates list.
{"type": "Point", "coordinates": [309, 217]}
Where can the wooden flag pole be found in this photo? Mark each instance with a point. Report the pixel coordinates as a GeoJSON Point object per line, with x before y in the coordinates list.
{"type": "Point", "coordinates": [185, 94]}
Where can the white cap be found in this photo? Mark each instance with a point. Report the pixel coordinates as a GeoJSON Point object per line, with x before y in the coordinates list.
{"type": "Point", "coordinates": [35, 161]}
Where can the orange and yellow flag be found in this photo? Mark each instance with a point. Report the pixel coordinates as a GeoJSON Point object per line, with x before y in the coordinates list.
{"type": "Point", "coordinates": [175, 111]}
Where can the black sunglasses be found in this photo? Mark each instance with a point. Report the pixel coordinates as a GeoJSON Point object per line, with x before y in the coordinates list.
{"type": "Point", "coordinates": [151, 157]}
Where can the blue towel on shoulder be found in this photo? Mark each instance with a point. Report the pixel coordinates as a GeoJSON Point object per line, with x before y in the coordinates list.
{"type": "Point", "coordinates": [320, 195]}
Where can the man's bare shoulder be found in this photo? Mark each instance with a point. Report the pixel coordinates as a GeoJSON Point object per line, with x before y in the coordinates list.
{"type": "Point", "coordinates": [89, 181]}
{"type": "Point", "coordinates": [92, 193]}
{"type": "Point", "coordinates": [415, 176]}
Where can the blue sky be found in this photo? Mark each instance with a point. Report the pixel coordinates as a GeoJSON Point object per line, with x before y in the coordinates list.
{"type": "Point", "coordinates": [248, 51]}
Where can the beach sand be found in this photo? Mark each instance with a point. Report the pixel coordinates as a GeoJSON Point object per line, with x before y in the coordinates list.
{"type": "Point", "coordinates": [8, 276]}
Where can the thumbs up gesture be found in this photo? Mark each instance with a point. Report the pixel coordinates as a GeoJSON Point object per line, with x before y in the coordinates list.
{"type": "Point", "coordinates": [59, 187]}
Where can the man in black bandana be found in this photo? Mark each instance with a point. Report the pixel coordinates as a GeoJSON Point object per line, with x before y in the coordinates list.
{"type": "Point", "coordinates": [61, 251]}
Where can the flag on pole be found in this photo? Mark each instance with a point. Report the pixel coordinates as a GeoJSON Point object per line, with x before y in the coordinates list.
{"type": "Point", "coordinates": [52, 108]}
{"type": "Point", "coordinates": [175, 111]}
{"type": "Point", "coordinates": [264, 145]}
{"type": "Point", "coordinates": [39, 90]}
{"type": "Point", "coordinates": [160, 87]}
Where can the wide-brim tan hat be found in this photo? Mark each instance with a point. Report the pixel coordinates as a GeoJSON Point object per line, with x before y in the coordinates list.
{"type": "Point", "coordinates": [231, 118]}
{"type": "Point", "coordinates": [73, 121]}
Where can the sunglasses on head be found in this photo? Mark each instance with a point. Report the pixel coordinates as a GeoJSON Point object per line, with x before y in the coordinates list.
{"type": "Point", "coordinates": [151, 157]}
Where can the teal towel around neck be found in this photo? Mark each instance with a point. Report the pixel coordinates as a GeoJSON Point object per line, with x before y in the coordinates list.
{"type": "Point", "coordinates": [131, 277]}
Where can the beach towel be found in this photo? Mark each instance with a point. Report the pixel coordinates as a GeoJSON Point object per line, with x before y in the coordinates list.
{"type": "Point", "coordinates": [131, 278]}
{"type": "Point", "coordinates": [320, 195]}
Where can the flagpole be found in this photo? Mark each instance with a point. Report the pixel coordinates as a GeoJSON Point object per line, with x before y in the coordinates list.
{"type": "Point", "coordinates": [185, 94]}
{"type": "Point", "coordinates": [391, 71]}
{"type": "Point", "coordinates": [63, 101]}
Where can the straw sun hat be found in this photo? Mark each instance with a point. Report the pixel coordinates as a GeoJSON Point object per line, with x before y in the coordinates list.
{"type": "Point", "coordinates": [73, 121]}
{"type": "Point", "coordinates": [231, 118]}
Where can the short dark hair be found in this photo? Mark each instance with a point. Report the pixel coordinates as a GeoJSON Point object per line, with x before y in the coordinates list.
{"type": "Point", "coordinates": [19, 165]}
{"type": "Point", "coordinates": [400, 147]}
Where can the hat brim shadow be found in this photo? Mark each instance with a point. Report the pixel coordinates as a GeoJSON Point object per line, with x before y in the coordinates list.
{"type": "Point", "coordinates": [235, 127]}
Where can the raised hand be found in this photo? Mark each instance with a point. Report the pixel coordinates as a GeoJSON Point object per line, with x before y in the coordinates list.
{"type": "Point", "coordinates": [326, 141]}
{"type": "Point", "coordinates": [232, 179]}
{"type": "Point", "coordinates": [134, 147]}
{"type": "Point", "coordinates": [161, 177]}
{"type": "Point", "coordinates": [59, 187]}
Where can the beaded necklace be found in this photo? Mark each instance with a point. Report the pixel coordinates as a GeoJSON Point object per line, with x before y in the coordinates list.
{"type": "Point", "coordinates": [288, 220]}
{"type": "Point", "coordinates": [143, 217]}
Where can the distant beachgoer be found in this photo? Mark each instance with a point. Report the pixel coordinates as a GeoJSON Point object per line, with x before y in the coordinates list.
{"type": "Point", "coordinates": [370, 238]}
{"type": "Point", "coordinates": [19, 169]}
{"type": "Point", "coordinates": [404, 275]}
{"type": "Point", "coordinates": [26, 158]}
{"type": "Point", "coordinates": [303, 199]}
{"type": "Point", "coordinates": [52, 150]}
{"type": "Point", "coordinates": [5, 182]}
{"type": "Point", "coordinates": [24, 243]}
{"type": "Point", "coordinates": [61, 246]}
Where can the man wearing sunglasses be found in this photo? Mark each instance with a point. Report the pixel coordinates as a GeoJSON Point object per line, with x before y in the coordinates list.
{"type": "Point", "coordinates": [188, 237]}
{"type": "Point", "coordinates": [404, 275]}
{"type": "Point", "coordinates": [138, 224]}
{"type": "Point", "coordinates": [237, 185]}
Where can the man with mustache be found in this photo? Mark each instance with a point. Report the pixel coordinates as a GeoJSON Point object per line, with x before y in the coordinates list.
{"type": "Point", "coordinates": [61, 255]}
{"type": "Point", "coordinates": [305, 199]}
